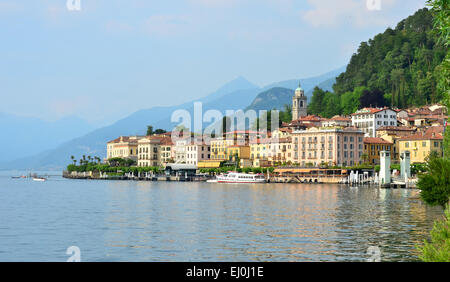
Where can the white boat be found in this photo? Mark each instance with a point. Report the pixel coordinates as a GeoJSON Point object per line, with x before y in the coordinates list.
{"type": "Point", "coordinates": [236, 177]}
{"type": "Point", "coordinates": [40, 179]}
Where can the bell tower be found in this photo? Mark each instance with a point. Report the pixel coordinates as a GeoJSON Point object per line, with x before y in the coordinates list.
{"type": "Point", "coordinates": [299, 104]}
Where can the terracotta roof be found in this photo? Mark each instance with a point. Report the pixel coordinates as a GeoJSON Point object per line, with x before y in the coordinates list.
{"type": "Point", "coordinates": [395, 128]}
{"type": "Point", "coordinates": [340, 118]}
{"type": "Point", "coordinates": [125, 139]}
{"type": "Point", "coordinates": [375, 140]}
{"type": "Point", "coordinates": [432, 133]}
{"type": "Point", "coordinates": [167, 141]}
{"type": "Point", "coordinates": [286, 129]}
{"type": "Point", "coordinates": [311, 118]}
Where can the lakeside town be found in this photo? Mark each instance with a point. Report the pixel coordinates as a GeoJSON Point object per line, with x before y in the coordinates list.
{"type": "Point", "coordinates": [369, 146]}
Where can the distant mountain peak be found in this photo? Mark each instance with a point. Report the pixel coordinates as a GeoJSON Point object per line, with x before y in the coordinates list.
{"type": "Point", "coordinates": [238, 83]}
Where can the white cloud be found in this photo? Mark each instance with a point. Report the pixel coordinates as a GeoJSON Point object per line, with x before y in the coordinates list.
{"type": "Point", "coordinates": [332, 13]}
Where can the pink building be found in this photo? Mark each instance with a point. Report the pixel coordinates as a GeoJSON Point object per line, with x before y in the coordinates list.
{"type": "Point", "coordinates": [197, 152]}
{"type": "Point", "coordinates": [331, 146]}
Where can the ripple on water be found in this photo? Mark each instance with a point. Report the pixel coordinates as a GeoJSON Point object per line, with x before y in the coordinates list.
{"type": "Point", "coordinates": [131, 221]}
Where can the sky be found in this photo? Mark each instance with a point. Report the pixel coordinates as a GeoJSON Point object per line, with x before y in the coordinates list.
{"type": "Point", "coordinates": [111, 58]}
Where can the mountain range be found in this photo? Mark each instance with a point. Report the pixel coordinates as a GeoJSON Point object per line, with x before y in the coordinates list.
{"type": "Point", "coordinates": [235, 95]}
{"type": "Point", "coordinates": [27, 136]}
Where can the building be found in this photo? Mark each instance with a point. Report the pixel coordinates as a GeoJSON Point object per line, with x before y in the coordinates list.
{"type": "Point", "coordinates": [312, 120]}
{"type": "Point", "coordinates": [209, 164]}
{"type": "Point", "coordinates": [123, 147]}
{"type": "Point", "coordinates": [219, 148]}
{"type": "Point", "coordinates": [238, 151]}
{"type": "Point", "coordinates": [167, 151]}
{"type": "Point", "coordinates": [180, 150]}
{"type": "Point", "coordinates": [197, 152]}
{"type": "Point", "coordinates": [299, 104]}
{"type": "Point", "coordinates": [331, 146]}
{"type": "Point", "coordinates": [392, 134]}
{"type": "Point", "coordinates": [283, 132]}
{"type": "Point", "coordinates": [369, 119]}
{"type": "Point", "coordinates": [259, 149]}
{"type": "Point", "coordinates": [281, 150]}
{"type": "Point", "coordinates": [337, 121]}
{"type": "Point", "coordinates": [421, 144]}
{"type": "Point", "coordinates": [149, 152]}
{"type": "Point", "coordinates": [372, 148]}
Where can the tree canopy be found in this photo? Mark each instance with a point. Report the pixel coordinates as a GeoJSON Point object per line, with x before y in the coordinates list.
{"type": "Point", "coordinates": [401, 67]}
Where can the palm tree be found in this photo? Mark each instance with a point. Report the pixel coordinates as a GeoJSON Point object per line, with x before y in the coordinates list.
{"type": "Point", "coordinates": [73, 159]}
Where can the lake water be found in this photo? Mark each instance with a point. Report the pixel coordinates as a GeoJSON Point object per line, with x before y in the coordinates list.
{"type": "Point", "coordinates": [159, 221]}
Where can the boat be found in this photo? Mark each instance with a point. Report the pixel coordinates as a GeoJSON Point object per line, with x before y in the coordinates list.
{"type": "Point", "coordinates": [18, 177]}
{"type": "Point", "coordinates": [236, 177]}
{"type": "Point", "coordinates": [40, 179]}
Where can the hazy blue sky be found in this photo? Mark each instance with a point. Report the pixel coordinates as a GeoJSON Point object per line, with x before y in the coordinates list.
{"type": "Point", "coordinates": [117, 56]}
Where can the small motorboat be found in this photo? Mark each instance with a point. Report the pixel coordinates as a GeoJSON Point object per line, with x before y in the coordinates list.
{"type": "Point", "coordinates": [39, 179]}
{"type": "Point", "coordinates": [18, 177]}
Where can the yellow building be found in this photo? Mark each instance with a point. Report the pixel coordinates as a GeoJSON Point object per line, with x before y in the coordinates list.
{"type": "Point", "coordinates": [259, 149]}
{"type": "Point", "coordinates": [281, 150]}
{"type": "Point", "coordinates": [373, 147]}
{"type": "Point", "coordinates": [237, 151]}
{"type": "Point", "coordinates": [283, 132]}
{"type": "Point", "coordinates": [209, 164]}
{"type": "Point", "coordinates": [420, 145]}
{"type": "Point", "coordinates": [123, 147]}
{"type": "Point", "coordinates": [392, 134]}
{"type": "Point", "coordinates": [149, 152]}
{"type": "Point", "coordinates": [219, 148]}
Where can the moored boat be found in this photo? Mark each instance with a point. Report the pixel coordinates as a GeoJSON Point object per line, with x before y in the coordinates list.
{"type": "Point", "coordinates": [236, 177]}
{"type": "Point", "coordinates": [40, 179]}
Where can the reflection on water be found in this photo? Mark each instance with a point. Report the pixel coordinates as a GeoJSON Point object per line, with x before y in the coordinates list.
{"type": "Point", "coordinates": [158, 221]}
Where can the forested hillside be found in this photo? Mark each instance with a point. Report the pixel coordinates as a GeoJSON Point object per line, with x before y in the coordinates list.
{"type": "Point", "coordinates": [397, 68]}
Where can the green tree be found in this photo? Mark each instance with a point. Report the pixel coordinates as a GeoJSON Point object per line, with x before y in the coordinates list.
{"type": "Point", "coordinates": [437, 249]}
{"type": "Point", "coordinates": [160, 131]}
{"type": "Point", "coordinates": [435, 183]}
{"type": "Point", "coordinates": [317, 101]}
{"type": "Point", "coordinates": [403, 63]}
{"type": "Point", "coordinates": [149, 130]}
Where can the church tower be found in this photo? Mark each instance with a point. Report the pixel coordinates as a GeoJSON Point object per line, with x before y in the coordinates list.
{"type": "Point", "coordinates": [299, 103]}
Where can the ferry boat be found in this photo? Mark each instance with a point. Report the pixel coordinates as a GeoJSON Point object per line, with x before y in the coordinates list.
{"type": "Point", "coordinates": [236, 177]}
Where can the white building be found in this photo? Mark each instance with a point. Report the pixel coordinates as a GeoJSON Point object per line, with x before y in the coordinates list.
{"type": "Point", "coordinates": [180, 150]}
{"type": "Point", "coordinates": [370, 119]}
{"type": "Point", "coordinates": [197, 152]}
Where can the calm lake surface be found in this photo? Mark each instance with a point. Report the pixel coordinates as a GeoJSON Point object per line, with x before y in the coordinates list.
{"type": "Point", "coordinates": [159, 221]}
